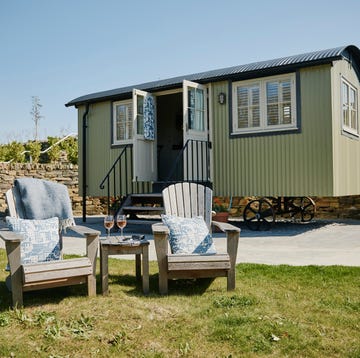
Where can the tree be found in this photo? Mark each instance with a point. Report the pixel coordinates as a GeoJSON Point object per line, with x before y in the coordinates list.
{"type": "Point", "coordinates": [35, 112]}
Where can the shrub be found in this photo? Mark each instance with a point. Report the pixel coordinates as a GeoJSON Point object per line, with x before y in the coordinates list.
{"type": "Point", "coordinates": [34, 147]}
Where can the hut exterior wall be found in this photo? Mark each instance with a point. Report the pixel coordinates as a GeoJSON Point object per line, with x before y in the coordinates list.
{"type": "Point", "coordinates": [288, 164]}
{"type": "Point", "coordinates": [346, 149]}
{"type": "Point", "coordinates": [100, 156]}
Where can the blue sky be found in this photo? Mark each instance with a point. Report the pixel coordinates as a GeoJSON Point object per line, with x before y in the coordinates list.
{"type": "Point", "coordinates": [62, 49]}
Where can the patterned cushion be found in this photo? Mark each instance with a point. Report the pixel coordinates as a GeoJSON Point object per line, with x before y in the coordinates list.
{"type": "Point", "coordinates": [189, 235]}
{"type": "Point", "coordinates": [41, 239]}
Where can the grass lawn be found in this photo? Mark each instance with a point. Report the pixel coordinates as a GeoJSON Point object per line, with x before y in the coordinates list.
{"type": "Point", "coordinates": [275, 311]}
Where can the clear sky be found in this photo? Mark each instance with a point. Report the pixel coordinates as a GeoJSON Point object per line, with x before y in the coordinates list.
{"type": "Point", "coordinates": [62, 49]}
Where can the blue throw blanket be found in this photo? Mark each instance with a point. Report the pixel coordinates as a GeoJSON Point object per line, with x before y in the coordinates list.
{"type": "Point", "coordinates": [42, 199]}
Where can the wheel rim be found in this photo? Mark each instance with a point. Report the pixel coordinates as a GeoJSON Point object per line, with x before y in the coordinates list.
{"type": "Point", "coordinates": [259, 215]}
{"type": "Point", "coordinates": [303, 209]}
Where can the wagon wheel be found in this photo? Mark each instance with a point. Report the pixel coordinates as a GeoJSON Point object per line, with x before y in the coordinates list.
{"type": "Point", "coordinates": [302, 209]}
{"type": "Point", "coordinates": [259, 215]}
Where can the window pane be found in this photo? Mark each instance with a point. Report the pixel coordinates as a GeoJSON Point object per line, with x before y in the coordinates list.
{"type": "Point", "coordinates": [196, 109]}
{"type": "Point", "coordinates": [248, 106]}
{"type": "Point", "coordinates": [272, 115]}
{"type": "Point", "coordinates": [353, 120]}
{"type": "Point", "coordinates": [242, 96]}
{"type": "Point", "coordinates": [272, 90]}
{"type": "Point", "coordinates": [346, 116]}
{"type": "Point", "coordinates": [345, 91]}
{"type": "Point", "coordinates": [243, 118]}
{"type": "Point", "coordinates": [191, 97]}
{"type": "Point", "coordinates": [286, 91]}
{"type": "Point", "coordinates": [286, 113]}
{"type": "Point", "coordinates": [123, 124]}
{"type": "Point", "coordinates": [256, 117]}
{"type": "Point", "coordinates": [140, 115]}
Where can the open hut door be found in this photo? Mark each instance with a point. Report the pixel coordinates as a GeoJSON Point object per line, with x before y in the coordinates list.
{"type": "Point", "coordinates": [144, 116]}
{"type": "Point", "coordinates": [196, 132]}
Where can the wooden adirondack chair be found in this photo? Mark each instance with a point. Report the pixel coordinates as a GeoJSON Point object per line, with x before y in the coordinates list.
{"type": "Point", "coordinates": [42, 275]}
{"type": "Point", "coordinates": [189, 200]}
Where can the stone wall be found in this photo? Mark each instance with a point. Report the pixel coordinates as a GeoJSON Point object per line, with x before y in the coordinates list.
{"type": "Point", "coordinates": [344, 207]}
{"type": "Point", "coordinates": [64, 173]}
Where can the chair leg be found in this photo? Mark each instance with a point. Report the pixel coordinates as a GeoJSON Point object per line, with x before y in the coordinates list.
{"type": "Point", "coordinates": [15, 279]}
{"type": "Point", "coordinates": [91, 285]}
{"type": "Point", "coordinates": [163, 283]}
{"type": "Point", "coordinates": [231, 279]}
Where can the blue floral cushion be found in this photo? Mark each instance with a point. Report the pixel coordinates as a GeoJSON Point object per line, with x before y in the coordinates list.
{"type": "Point", "coordinates": [41, 239]}
{"type": "Point", "coordinates": [189, 235]}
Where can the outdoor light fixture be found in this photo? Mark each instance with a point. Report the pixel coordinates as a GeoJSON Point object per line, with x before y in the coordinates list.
{"type": "Point", "coordinates": [222, 98]}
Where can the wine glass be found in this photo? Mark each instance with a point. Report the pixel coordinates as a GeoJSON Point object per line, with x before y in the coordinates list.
{"type": "Point", "coordinates": [108, 223]}
{"type": "Point", "coordinates": [121, 223]}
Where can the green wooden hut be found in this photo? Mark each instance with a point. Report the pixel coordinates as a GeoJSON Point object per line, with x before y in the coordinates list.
{"type": "Point", "coordinates": [284, 127]}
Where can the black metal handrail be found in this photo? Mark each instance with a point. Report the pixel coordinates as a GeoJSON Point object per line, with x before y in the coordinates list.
{"type": "Point", "coordinates": [114, 173]}
{"type": "Point", "coordinates": [197, 168]}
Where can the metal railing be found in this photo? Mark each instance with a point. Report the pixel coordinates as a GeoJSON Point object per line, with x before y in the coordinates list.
{"type": "Point", "coordinates": [114, 179]}
{"type": "Point", "coordinates": [192, 164]}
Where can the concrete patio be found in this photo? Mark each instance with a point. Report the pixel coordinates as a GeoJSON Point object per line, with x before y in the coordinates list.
{"type": "Point", "coordinates": [320, 242]}
{"type": "Point", "coordinates": [316, 243]}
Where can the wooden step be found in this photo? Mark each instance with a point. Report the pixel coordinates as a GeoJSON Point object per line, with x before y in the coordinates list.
{"type": "Point", "coordinates": [143, 208]}
{"type": "Point", "coordinates": [143, 221]}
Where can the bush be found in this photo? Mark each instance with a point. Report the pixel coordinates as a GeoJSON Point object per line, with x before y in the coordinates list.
{"type": "Point", "coordinates": [70, 146]}
{"type": "Point", "coordinates": [15, 152]}
{"type": "Point", "coordinates": [55, 152]}
{"type": "Point", "coordinates": [34, 147]}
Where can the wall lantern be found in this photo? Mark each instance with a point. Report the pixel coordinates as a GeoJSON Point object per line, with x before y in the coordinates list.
{"type": "Point", "coordinates": [222, 98]}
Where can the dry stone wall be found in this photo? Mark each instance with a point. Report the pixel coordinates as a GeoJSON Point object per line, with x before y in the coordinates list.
{"type": "Point", "coordinates": [66, 173]}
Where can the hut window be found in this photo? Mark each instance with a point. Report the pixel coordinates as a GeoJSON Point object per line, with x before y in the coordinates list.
{"type": "Point", "coordinates": [264, 105]}
{"type": "Point", "coordinates": [122, 122]}
{"type": "Point", "coordinates": [349, 107]}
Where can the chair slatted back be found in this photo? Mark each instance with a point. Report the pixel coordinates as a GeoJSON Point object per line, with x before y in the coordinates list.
{"type": "Point", "coordinates": [14, 203]}
{"type": "Point", "coordinates": [16, 209]}
{"type": "Point", "coordinates": [188, 200]}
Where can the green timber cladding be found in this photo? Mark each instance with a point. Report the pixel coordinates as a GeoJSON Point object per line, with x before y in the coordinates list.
{"type": "Point", "coordinates": [320, 159]}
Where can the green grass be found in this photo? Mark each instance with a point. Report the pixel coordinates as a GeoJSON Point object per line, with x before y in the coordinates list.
{"type": "Point", "coordinates": [275, 311]}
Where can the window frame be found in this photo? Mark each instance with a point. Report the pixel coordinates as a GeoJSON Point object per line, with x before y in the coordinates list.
{"type": "Point", "coordinates": [264, 127]}
{"type": "Point", "coordinates": [346, 128]}
{"type": "Point", "coordinates": [116, 141]}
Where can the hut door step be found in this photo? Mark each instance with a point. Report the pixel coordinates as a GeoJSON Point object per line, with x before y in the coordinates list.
{"type": "Point", "coordinates": [143, 208]}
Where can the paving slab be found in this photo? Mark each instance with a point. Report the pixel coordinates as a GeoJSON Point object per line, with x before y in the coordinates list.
{"type": "Point", "coordinates": [320, 242]}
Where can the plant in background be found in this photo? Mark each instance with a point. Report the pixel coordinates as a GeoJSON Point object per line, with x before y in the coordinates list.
{"type": "Point", "coordinates": [15, 152]}
{"type": "Point", "coordinates": [115, 203]}
{"type": "Point", "coordinates": [218, 206]}
{"type": "Point", "coordinates": [34, 147]}
{"type": "Point", "coordinates": [70, 146]}
{"type": "Point", "coordinates": [55, 152]}
{"type": "Point", "coordinates": [35, 113]}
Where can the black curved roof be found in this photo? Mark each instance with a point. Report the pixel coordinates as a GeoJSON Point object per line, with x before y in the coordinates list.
{"type": "Point", "coordinates": [252, 70]}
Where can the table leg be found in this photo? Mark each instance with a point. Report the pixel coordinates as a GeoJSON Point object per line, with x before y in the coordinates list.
{"type": "Point", "coordinates": [145, 269]}
{"type": "Point", "coordinates": [138, 266]}
{"type": "Point", "coordinates": [104, 270]}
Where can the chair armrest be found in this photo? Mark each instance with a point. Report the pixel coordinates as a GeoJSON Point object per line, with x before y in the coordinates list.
{"type": "Point", "coordinates": [10, 236]}
{"type": "Point", "coordinates": [84, 230]}
{"type": "Point", "coordinates": [225, 227]}
{"type": "Point", "coordinates": [161, 234]}
{"type": "Point", "coordinates": [92, 242]}
{"type": "Point", "coordinates": [159, 228]}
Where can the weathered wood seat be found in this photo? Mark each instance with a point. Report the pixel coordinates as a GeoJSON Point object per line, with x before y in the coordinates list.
{"type": "Point", "coordinates": [42, 275]}
{"type": "Point", "coordinates": [189, 200]}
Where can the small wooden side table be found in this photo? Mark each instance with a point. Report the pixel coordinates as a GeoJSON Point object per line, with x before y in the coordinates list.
{"type": "Point", "coordinates": [112, 246]}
